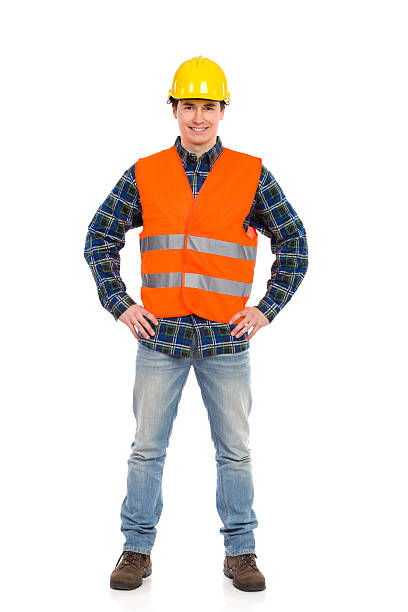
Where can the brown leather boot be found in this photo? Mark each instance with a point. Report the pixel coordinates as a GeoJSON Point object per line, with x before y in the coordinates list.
{"type": "Point", "coordinates": [129, 572]}
{"type": "Point", "coordinates": [244, 572]}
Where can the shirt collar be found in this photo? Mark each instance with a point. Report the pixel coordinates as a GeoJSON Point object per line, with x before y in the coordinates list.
{"type": "Point", "coordinates": [187, 157]}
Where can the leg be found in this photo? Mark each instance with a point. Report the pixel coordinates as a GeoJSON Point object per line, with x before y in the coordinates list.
{"type": "Point", "coordinates": [225, 387]}
{"type": "Point", "coordinates": [159, 382]}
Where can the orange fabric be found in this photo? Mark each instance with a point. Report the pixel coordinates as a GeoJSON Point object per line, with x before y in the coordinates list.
{"type": "Point", "coordinates": [218, 212]}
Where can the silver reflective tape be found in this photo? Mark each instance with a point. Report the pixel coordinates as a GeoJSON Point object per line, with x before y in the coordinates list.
{"type": "Point", "coordinates": [221, 247]}
{"type": "Point", "coordinates": [165, 241]}
{"type": "Point", "coordinates": [198, 243]}
{"type": "Point", "coordinates": [219, 285]}
{"type": "Point", "coordinates": [162, 279]}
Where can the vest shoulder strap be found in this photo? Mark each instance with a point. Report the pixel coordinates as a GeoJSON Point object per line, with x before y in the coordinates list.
{"type": "Point", "coordinates": [243, 156]}
{"type": "Point", "coordinates": [151, 161]}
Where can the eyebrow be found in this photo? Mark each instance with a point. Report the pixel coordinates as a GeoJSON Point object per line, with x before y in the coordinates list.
{"type": "Point", "coordinates": [192, 103]}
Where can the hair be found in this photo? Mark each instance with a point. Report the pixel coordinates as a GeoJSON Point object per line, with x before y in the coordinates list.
{"type": "Point", "coordinates": [175, 101]}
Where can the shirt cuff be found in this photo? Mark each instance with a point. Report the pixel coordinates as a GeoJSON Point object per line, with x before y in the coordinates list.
{"type": "Point", "coordinates": [119, 303]}
{"type": "Point", "coordinates": [269, 310]}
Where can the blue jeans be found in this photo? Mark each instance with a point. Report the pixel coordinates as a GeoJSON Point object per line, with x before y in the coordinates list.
{"type": "Point", "coordinates": [224, 381]}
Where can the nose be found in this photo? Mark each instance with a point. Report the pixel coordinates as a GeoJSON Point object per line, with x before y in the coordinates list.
{"type": "Point", "coordinates": [198, 116]}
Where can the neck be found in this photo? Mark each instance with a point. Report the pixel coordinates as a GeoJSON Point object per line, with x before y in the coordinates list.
{"type": "Point", "coordinates": [198, 149]}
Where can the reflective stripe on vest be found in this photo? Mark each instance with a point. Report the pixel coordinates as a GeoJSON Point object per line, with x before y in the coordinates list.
{"type": "Point", "coordinates": [162, 279]}
{"type": "Point", "coordinates": [218, 285]}
{"type": "Point", "coordinates": [165, 241]}
{"type": "Point", "coordinates": [199, 281]}
{"type": "Point", "coordinates": [198, 243]}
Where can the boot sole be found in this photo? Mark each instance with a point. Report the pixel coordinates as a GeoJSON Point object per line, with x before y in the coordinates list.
{"type": "Point", "coordinates": [127, 586]}
{"type": "Point", "coordinates": [243, 587]}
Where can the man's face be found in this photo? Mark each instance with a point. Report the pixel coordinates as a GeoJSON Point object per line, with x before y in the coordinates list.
{"type": "Point", "coordinates": [198, 121]}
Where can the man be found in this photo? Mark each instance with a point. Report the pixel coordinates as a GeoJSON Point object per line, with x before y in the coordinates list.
{"type": "Point", "coordinates": [200, 205]}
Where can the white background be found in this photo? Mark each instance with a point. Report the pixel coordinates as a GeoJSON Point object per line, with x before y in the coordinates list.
{"type": "Point", "coordinates": [318, 90]}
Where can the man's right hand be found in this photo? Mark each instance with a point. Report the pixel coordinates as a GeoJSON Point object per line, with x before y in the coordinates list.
{"type": "Point", "coordinates": [136, 316]}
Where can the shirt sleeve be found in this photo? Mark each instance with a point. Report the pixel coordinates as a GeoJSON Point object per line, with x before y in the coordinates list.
{"type": "Point", "coordinates": [120, 212]}
{"type": "Point", "coordinates": [273, 216]}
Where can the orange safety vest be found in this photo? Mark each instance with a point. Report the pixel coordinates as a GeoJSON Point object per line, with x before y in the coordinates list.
{"type": "Point", "coordinates": [195, 254]}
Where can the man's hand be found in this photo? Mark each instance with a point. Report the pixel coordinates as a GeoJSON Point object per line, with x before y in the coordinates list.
{"type": "Point", "coordinates": [136, 316]}
{"type": "Point", "coordinates": [253, 317]}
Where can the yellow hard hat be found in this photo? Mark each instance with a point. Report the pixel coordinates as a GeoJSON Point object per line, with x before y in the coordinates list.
{"type": "Point", "coordinates": [199, 77]}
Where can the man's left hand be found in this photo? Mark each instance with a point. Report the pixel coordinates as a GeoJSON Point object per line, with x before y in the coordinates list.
{"type": "Point", "coordinates": [253, 317]}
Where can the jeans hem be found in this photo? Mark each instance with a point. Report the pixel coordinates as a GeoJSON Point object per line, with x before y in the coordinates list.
{"type": "Point", "coordinates": [144, 551]}
{"type": "Point", "coordinates": [243, 551]}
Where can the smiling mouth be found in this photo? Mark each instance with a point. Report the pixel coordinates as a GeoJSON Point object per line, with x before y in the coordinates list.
{"type": "Point", "coordinates": [198, 130]}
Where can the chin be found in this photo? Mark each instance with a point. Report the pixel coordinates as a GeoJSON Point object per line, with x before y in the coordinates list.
{"type": "Point", "coordinates": [205, 134]}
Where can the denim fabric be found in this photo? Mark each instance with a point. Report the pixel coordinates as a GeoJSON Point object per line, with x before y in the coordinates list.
{"type": "Point", "coordinates": [224, 381]}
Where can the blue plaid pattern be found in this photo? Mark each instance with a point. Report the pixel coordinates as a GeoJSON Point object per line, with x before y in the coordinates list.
{"type": "Point", "coordinates": [271, 214]}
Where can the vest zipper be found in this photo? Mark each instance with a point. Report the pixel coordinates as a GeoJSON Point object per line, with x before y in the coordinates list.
{"type": "Point", "coordinates": [186, 235]}
{"type": "Point", "coordinates": [193, 206]}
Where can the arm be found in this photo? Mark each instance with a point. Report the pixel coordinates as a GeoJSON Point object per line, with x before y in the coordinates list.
{"type": "Point", "coordinates": [120, 212]}
{"type": "Point", "coordinates": [274, 217]}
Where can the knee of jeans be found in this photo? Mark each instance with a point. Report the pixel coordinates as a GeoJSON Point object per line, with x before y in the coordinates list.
{"type": "Point", "coordinates": [234, 452]}
{"type": "Point", "coordinates": [146, 450]}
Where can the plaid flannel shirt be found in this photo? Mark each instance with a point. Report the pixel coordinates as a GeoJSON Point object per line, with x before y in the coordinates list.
{"type": "Point", "coordinates": [271, 214]}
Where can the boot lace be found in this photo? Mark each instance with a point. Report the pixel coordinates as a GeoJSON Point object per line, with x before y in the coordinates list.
{"type": "Point", "coordinates": [247, 560]}
{"type": "Point", "coordinates": [130, 557]}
